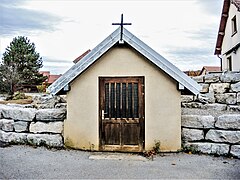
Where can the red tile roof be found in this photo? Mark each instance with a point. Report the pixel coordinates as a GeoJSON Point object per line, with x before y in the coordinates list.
{"type": "Point", "coordinates": [212, 68]}
{"type": "Point", "coordinates": [207, 69]}
{"type": "Point", "coordinates": [223, 22]}
{"type": "Point", "coordinates": [81, 56]}
{"type": "Point", "coordinates": [45, 73]}
{"type": "Point", "coordinates": [52, 78]}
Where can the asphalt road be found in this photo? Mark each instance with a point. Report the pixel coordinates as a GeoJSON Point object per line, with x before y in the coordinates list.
{"type": "Point", "coordinates": [24, 162]}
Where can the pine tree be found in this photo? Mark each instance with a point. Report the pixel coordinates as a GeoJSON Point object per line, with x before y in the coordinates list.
{"type": "Point", "coordinates": [20, 65]}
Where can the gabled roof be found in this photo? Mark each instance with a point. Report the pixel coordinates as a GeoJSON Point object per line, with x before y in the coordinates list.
{"type": "Point", "coordinates": [210, 69]}
{"type": "Point", "coordinates": [223, 22]}
{"type": "Point", "coordinates": [135, 43]}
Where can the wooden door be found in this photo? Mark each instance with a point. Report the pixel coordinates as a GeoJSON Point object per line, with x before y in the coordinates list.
{"type": "Point", "coordinates": [121, 114]}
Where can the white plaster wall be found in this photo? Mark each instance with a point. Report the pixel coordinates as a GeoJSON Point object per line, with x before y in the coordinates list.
{"type": "Point", "coordinates": [162, 102]}
{"type": "Point", "coordinates": [230, 41]}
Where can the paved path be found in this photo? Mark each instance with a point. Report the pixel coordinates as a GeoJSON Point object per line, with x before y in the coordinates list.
{"type": "Point", "coordinates": [26, 162]}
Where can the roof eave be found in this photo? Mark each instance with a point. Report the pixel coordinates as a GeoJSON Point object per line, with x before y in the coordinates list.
{"type": "Point", "coordinates": [222, 27]}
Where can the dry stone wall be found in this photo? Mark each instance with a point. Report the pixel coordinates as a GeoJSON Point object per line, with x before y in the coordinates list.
{"type": "Point", "coordinates": [26, 124]}
{"type": "Point", "coordinates": [211, 135]}
{"type": "Point", "coordinates": [218, 133]}
{"type": "Point", "coordinates": [220, 91]}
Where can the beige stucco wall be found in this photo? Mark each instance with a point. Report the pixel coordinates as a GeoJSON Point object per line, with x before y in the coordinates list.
{"type": "Point", "coordinates": [230, 41]}
{"type": "Point", "coordinates": [162, 102]}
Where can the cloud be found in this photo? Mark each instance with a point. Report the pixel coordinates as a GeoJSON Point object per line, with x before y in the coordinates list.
{"type": "Point", "coordinates": [192, 58]}
{"type": "Point", "coordinates": [204, 34]}
{"type": "Point", "coordinates": [47, 59]}
{"type": "Point", "coordinates": [56, 65]}
{"type": "Point", "coordinates": [55, 69]}
{"type": "Point", "coordinates": [15, 19]}
{"type": "Point", "coordinates": [212, 7]}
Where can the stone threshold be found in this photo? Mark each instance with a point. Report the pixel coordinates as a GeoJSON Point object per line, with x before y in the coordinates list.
{"type": "Point", "coordinates": [116, 156]}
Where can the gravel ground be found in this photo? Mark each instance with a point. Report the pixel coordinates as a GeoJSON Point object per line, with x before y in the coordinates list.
{"type": "Point", "coordinates": [214, 113]}
{"type": "Point", "coordinates": [24, 162]}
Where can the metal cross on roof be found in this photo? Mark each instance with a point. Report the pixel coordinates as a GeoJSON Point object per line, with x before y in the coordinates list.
{"type": "Point", "coordinates": [121, 25]}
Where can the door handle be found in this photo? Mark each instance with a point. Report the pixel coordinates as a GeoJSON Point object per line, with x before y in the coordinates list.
{"type": "Point", "coordinates": [102, 114]}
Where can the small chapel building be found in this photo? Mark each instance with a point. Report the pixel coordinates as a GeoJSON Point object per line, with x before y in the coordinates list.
{"type": "Point", "coordinates": [123, 96]}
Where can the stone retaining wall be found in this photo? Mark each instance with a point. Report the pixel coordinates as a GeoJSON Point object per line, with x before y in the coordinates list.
{"type": "Point", "coordinates": [220, 91]}
{"type": "Point", "coordinates": [28, 125]}
{"type": "Point", "coordinates": [211, 135]}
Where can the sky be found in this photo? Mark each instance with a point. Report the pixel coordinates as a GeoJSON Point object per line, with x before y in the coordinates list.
{"type": "Point", "coordinates": [182, 31]}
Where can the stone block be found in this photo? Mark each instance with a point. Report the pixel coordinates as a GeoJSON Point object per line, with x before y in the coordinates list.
{"type": "Point", "coordinates": [198, 79]}
{"type": "Point", "coordinates": [235, 150]}
{"type": "Point", "coordinates": [233, 108]}
{"type": "Point", "coordinates": [223, 136]}
{"type": "Point", "coordinates": [61, 105]}
{"type": "Point", "coordinates": [1, 124]}
{"type": "Point", "coordinates": [12, 137]}
{"type": "Point", "coordinates": [192, 134]}
{"type": "Point", "coordinates": [235, 87]}
{"type": "Point", "coordinates": [24, 114]}
{"type": "Point", "coordinates": [219, 87]}
{"type": "Point", "coordinates": [55, 140]}
{"type": "Point", "coordinates": [192, 105]}
{"type": "Point", "coordinates": [20, 105]}
{"type": "Point", "coordinates": [210, 78]}
{"type": "Point", "coordinates": [215, 107]}
{"type": "Point", "coordinates": [210, 148]}
{"type": "Point", "coordinates": [63, 99]}
{"type": "Point", "coordinates": [46, 101]}
{"type": "Point", "coordinates": [227, 98]}
{"type": "Point", "coordinates": [230, 77]}
{"type": "Point", "coordinates": [228, 121]}
{"type": "Point", "coordinates": [198, 121]}
{"type": "Point", "coordinates": [21, 126]}
{"type": "Point", "coordinates": [238, 97]}
{"type": "Point", "coordinates": [206, 98]}
{"type": "Point", "coordinates": [51, 127]}
{"type": "Point", "coordinates": [205, 88]}
{"type": "Point", "coordinates": [0, 113]}
{"type": "Point", "coordinates": [7, 124]}
{"type": "Point", "coordinates": [186, 98]}
{"type": "Point", "coordinates": [51, 114]}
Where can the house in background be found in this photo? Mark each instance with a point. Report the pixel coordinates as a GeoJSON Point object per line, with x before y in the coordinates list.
{"type": "Point", "coordinates": [228, 40]}
{"type": "Point", "coordinates": [123, 96]}
{"type": "Point", "coordinates": [210, 69]}
{"type": "Point", "coordinates": [50, 77]}
{"type": "Point", "coordinates": [192, 73]}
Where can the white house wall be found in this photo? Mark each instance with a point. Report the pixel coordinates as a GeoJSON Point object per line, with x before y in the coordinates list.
{"type": "Point", "coordinates": [230, 41]}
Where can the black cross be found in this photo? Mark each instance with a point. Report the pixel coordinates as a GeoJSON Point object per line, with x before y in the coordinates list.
{"type": "Point", "coordinates": [121, 24]}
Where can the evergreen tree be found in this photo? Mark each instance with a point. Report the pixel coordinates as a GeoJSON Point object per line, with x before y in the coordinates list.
{"type": "Point", "coordinates": [20, 65]}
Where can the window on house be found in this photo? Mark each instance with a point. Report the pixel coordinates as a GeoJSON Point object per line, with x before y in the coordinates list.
{"type": "Point", "coordinates": [229, 63]}
{"type": "Point", "coordinates": [234, 25]}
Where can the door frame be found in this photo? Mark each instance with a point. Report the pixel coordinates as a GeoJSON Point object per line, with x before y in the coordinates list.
{"type": "Point", "coordinates": [141, 146]}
